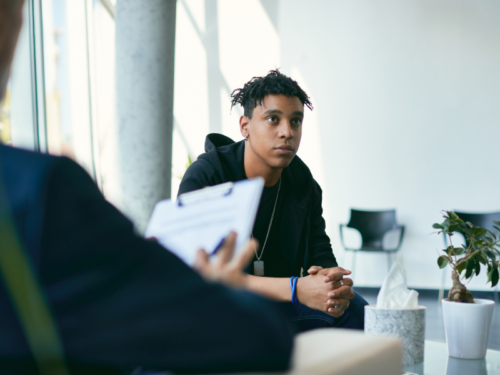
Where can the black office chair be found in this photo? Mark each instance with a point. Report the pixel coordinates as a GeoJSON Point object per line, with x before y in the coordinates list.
{"type": "Point", "coordinates": [373, 225]}
{"type": "Point", "coordinates": [484, 220]}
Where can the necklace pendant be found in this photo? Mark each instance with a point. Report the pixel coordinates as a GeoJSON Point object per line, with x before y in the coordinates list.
{"type": "Point", "coordinates": [258, 268]}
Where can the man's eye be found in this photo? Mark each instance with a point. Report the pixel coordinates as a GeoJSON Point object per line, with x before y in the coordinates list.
{"type": "Point", "coordinates": [297, 121]}
{"type": "Point", "coordinates": [272, 119]}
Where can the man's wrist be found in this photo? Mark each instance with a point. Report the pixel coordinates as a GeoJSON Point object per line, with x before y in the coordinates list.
{"type": "Point", "coordinates": [299, 289]}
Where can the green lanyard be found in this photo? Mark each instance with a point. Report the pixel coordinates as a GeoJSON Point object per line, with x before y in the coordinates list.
{"type": "Point", "coordinates": [28, 298]}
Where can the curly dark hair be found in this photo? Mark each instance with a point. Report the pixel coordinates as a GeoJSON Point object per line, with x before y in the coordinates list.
{"type": "Point", "coordinates": [275, 83]}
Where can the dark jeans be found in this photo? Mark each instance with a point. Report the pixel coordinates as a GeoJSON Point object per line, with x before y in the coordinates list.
{"type": "Point", "coordinates": [304, 318]}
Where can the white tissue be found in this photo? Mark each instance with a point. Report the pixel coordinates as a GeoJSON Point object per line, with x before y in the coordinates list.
{"type": "Point", "coordinates": [394, 294]}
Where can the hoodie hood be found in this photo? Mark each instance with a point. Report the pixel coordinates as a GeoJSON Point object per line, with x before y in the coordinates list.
{"type": "Point", "coordinates": [226, 157]}
{"type": "Point", "coordinates": [215, 140]}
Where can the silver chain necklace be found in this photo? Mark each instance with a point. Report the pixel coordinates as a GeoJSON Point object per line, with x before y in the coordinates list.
{"type": "Point", "coordinates": [258, 265]}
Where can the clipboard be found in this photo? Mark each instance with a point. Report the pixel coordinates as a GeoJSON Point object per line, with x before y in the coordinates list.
{"type": "Point", "coordinates": [203, 218]}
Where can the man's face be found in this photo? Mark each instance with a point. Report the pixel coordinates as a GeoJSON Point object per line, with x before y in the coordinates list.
{"type": "Point", "coordinates": [10, 26]}
{"type": "Point", "coordinates": [275, 129]}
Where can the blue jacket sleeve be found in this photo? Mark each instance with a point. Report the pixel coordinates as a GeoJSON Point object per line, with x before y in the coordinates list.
{"type": "Point", "coordinates": [121, 300]}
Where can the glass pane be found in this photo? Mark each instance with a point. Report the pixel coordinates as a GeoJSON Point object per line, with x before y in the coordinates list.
{"type": "Point", "coordinates": [102, 52]}
{"type": "Point", "coordinates": [66, 71]}
{"type": "Point", "coordinates": [21, 108]}
{"type": "Point", "coordinates": [5, 134]}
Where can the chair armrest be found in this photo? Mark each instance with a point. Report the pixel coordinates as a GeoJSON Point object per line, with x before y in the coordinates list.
{"type": "Point", "coordinates": [341, 226]}
{"type": "Point", "coordinates": [342, 236]}
{"type": "Point", "coordinates": [402, 229]}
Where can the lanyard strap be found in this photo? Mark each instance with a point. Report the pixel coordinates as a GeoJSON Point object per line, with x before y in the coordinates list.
{"type": "Point", "coordinates": [270, 223]}
{"type": "Point", "coordinates": [28, 298]}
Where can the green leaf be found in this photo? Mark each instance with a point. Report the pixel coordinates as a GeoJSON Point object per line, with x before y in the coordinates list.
{"type": "Point", "coordinates": [489, 239]}
{"type": "Point", "coordinates": [494, 277]}
{"type": "Point", "coordinates": [483, 258]}
{"type": "Point", "coordinates": [476, 243]}
{"type": "Point", "coordinates": [490, 254]}
{"type": "Point", "coordinates": [449, 250]}
{"type": "Point", "coordinates": [496, 222]}
{"type": "Point", "coordinates": [461, 267]}
{"type": "Point", "coordinates": [478, 268]}
{"type": "Point", "coordinates": [471, 266]}
{"type": "Point", "coordinates": [437, 226]}
{"type": "Point", "coordinates": [458, 251]}
{"type": "Point", "coordinates": [469, 224]}
{"type": "Point", "coordinates": [478, 232]}
{"type": "Point", "coordinates": [443, 261]}
{"type": "Point", "coordinates": [466, 231]}
{"type": "Point", "coordinates": [497, 228]}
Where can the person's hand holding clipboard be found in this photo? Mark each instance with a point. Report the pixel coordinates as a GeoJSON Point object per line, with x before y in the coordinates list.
{"type": "Point", "coordinates": [226, 267]}
{"type": "Point", "coordinates": [203, 219]}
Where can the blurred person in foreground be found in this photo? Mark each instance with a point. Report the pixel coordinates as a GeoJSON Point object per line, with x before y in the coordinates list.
{"type": "Point", "coordinates": [118, 300]}
{"type": "Point", "coordinates": [289, 224]}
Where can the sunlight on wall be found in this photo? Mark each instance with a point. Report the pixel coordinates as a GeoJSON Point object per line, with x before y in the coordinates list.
{"type": "Point", "coordinates": [197, 11]}
{"type": "Point", "coordinates": [190, 89]}
{"type": "Point", "coordinates": [78, 84]}
{"type": "Point", "coordinates": [105, 103]}
{"type": "Point", "coordinates": [249, 43]}
{"type": "Point", "coordinates": [249, 47]}
{"type": "Point", "coordinates": [236, 53]}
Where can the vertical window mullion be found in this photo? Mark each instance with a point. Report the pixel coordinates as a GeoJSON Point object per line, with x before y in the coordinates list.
{"type": "Point", "coordinates": [38, 76]}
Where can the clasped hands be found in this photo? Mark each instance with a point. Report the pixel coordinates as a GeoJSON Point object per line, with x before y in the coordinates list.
{"type": "Point", "coordinates": [324, 289]}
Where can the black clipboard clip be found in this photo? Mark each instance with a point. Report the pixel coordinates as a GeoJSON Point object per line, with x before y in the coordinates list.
{"type": "Point", "coordinates": [206, 193]}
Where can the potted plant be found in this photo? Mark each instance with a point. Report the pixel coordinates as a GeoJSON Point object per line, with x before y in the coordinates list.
{"type": "Point", "coordinates": [467, 320]}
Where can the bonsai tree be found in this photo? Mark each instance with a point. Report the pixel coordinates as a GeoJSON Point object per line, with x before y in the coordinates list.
{"type": "Point", "coordinates": [482, 246]}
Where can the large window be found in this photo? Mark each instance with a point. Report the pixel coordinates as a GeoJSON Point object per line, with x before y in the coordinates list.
{"type": "Point", "coordinates": [62, 87]}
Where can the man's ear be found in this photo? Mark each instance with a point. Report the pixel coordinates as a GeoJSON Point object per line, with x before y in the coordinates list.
{"type": "Point", "coordinates": [244, 123]}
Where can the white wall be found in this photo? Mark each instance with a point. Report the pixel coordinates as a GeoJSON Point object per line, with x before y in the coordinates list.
{"type": "Point", "coordinates": [407, 102]}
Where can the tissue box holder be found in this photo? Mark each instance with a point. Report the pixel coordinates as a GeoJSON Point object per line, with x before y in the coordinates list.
{"type": "Point", "coordinates": [406, 324]}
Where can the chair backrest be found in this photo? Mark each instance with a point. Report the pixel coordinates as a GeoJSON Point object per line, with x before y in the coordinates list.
{"type": "Point", "coordinates": [484, 219]}
{"type": "Point", "coordinates": [372, 225]}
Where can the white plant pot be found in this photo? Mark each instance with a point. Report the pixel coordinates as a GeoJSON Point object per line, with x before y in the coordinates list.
{"type": "Point", "coordinates": [467, 327]}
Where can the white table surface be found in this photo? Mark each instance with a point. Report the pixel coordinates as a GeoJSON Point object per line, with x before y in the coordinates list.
{"type": "Point", "coordinates": [437, 362]}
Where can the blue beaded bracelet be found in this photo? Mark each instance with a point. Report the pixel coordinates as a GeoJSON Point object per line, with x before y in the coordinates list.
{"type": "Point", "coordinates": [294, 291]}
{"type": "Point", "coordinates": [293, 288]}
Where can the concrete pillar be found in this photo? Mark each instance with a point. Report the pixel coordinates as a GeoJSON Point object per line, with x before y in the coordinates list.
{"type": "Point", "coordinates": [145, 50]}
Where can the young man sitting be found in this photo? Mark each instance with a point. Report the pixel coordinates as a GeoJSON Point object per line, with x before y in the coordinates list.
{"type": "Point", "coordinates": [289, 224]}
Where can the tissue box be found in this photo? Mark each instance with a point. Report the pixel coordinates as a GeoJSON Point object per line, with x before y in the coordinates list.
{"type": "Point", "coordinates": [406, 324]}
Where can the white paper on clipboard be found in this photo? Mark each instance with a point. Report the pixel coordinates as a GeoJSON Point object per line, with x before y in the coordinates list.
{"type": "Point", "coordinates": [202, 218]}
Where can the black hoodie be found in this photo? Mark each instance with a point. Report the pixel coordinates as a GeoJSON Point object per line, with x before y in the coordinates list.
{"type": "Point", "coordinates": [299, 227]}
